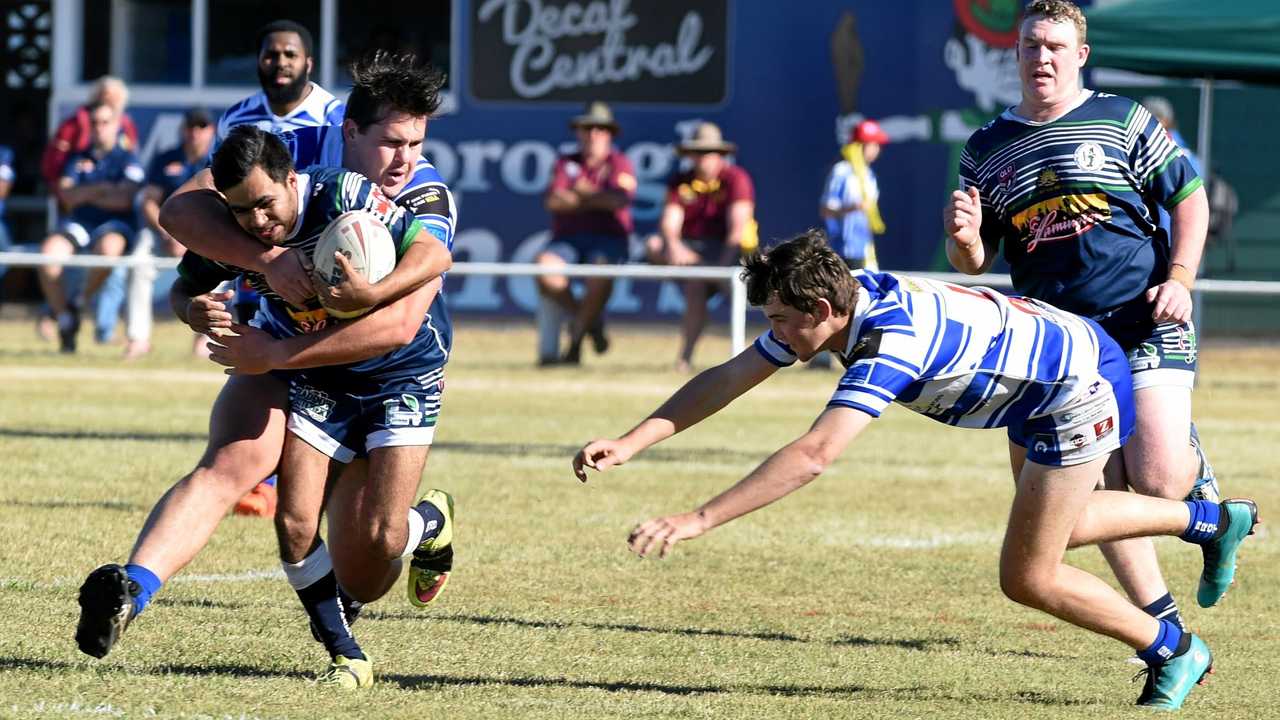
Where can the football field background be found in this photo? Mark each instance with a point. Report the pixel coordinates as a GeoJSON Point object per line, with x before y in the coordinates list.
{"type": "Point", "coordinates": [871, 593]}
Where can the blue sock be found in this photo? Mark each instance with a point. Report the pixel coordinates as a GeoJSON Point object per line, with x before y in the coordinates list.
{"type": "Point", "coordinates": [432, 520]}
{"type": "Point", "coordinates": [269, 481]}
{"type": "Point", "coordinates": [1169, 641]}
{"type": "Point", "coordinates": [1166, 609]}
{"type": "Point", "coordinates": [148, 585]}
{"type": "Point", "coordinates": [1205, 518]}
{"type": "Point", "coordinates": [324, 605]}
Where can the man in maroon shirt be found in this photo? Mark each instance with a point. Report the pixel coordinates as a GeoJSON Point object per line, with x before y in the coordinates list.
{"type": "Point", "coordinates": [590, 204]}
{"type": "Point", "coordinates": [75, 134]}
{"type": "Point", "coordinates": [707, 220]}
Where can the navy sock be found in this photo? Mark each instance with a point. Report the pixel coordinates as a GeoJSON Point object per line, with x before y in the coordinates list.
{"type": "Point", "coordinates": [1166, 609]}
{"type": "Point", "coordinates": [1169, 641]}
{"type": "Point", "coordinates": [148, 585]}
{"type": "Point", "coordinates": [432, 520]}
{"type": "Point", "coordinates": [324, 605]}
{"type": "Point", "coordinates": [1204, 523]}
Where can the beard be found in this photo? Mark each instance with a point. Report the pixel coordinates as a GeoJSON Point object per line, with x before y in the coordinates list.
{"type": "Point", "coordinates": [283, 94]}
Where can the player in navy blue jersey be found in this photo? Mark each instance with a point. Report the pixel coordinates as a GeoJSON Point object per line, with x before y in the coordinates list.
{"type": "Point", "coordinates": [98, 187]}
{"type": "Point", "coordinates": [970, 358]}
{"type": "Point", "coordinates": [386, 118]}
{"type": "Point", "coordinates": [1066, 185]}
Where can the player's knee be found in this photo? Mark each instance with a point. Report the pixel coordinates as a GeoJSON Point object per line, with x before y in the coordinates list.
{"type": "Point", "coordinates": [1025, 586]}
{"type": "Point", "coordinates": [385, 540]}
{"type": "Point", "coordinates": [295, 533]}
{"type": "Point", "coordinates": [1163, 480]}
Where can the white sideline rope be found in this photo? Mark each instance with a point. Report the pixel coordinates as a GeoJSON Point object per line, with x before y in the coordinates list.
{"type": "Point", "coordinates": [737, 295]}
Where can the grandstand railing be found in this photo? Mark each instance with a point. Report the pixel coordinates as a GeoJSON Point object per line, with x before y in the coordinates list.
{"type": "Point", "coordinates": [737, 289]}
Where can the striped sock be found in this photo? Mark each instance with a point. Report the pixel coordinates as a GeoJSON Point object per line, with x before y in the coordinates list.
{"type": "Point", "coordinates": [1166, 608]}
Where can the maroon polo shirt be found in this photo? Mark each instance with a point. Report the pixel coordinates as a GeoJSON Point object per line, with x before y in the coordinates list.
{"type": "Point", "coordinates": [616, 174]}
{"type": "Point", "coordinates": [706, 205]}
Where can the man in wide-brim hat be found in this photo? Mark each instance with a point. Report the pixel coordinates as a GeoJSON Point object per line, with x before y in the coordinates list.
{"type": "Point", "coordinates": [590, 204]}
{"type": "Point", "coordinates": [707, 220]}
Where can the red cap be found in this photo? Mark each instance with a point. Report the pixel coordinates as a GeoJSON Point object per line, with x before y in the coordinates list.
{"type": "Point", "coordinates": [869, 131]}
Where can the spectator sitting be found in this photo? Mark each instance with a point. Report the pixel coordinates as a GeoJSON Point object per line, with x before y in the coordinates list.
{"type": "Point", "coordinates": [98, 187]}
{"type": "Point", "coordinates": [75, 134]}
{"type": "Point", "coordinates": [167, 172]}
{"type": "Point", "coordinates": [590, 204]}
{"type": "Point", "coordinates": [707, 220]}
{"type": "Point", "coordinates": [6, 184]}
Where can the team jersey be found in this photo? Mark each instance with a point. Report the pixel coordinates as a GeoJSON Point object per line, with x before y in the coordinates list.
{"type": "Point", "coordinates": [1074, 201]}
{"type": "Point", "coordinates": [320, 107]}
{"type": "Point", "coordinates": [170, 169]}
{"type": "Point", "coordinates": [969, 357]}
{"type": "Point", "coordinates": [849, 235]}
{"type": "Point", "coordinates": [426, 195]}
{"type": "Point", "coordinates": [116, 166]}
{"type": "Point", "coordinates": [324, 193]}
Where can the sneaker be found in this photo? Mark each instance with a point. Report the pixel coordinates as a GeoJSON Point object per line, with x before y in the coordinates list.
{"type": "Point", "coordinates": [1220, 553]}
{"type": "Point", "coordinates": [572, 356]}
{"type": "Point", "coordinates": [106, 608]}
{"type": "Point", "coordinates": [347, 673]}
{"type": "Point", "coordinates": [259, 502]}
{"type": "Point", "coordinates": [1169, 684]}
{"type": "Point", "coordinates": [432, 561]}
{"type": "Point", "coordinates": [1206, 487]}
{"type": "Point", "coordinates": [68, 329]}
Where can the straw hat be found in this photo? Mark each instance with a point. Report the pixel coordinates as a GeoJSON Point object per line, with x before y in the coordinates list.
{"type": "Point", "coordinates": [596, 114]}
{"type": "Point", "coordinates": [707, 138]}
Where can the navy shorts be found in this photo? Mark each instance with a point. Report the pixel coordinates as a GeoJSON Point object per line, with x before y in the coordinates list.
{"type": "Point", "coordinates": [85, 238]}
{"type": "Point", "coordinates": [1095, 425]}
{"type": "Point", "coordinates": [347, 420]}
{"type": "Point", "coordinates": [589, 249]}
{"type": "Point", "coordinates": [1167, 357]}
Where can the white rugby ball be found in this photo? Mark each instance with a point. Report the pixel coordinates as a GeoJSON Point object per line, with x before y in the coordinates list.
{"type": "Point", "coordinates": [368, 245]}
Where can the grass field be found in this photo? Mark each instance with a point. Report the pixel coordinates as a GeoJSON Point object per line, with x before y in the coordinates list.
{"type": "Point", "coordinates": [872, 593]}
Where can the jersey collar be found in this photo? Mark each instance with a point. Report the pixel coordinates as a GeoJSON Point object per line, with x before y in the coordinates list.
{"type": "Point", "coordinates": [304, 195]}
{"type": "Point", "coordinates": [860, 309]}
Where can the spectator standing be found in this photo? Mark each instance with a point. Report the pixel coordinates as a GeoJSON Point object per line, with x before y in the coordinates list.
{"type": "Point", "coordinates": [850, 204]}
{"type": "Point", "coordinates": [167, 172]}
{"type": "Point", "coordinates": [1162, 110]}
{"type": "Point", "coordinates": [707, 219]}
{"type": "Point", "coordinates": [98, 188]}
{"type": "Point", "coordinates": [590, 204]}
{"type": "Point", "coordinates": [6, 184]}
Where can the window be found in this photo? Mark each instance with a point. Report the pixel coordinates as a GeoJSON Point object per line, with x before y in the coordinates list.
{"type": "Point", "coordinates": [141, 41]}
{"type": "Point", "coordinates": [233, 28]}
{"type": "Point", "coordinates": [427, 32]}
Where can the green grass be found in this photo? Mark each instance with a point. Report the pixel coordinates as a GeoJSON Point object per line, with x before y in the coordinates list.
{"type": "Point", "coordinates": [871, 593]}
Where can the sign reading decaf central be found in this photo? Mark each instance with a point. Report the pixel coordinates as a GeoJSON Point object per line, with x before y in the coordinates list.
{"type": "Point", "coordinates": [649, 51]}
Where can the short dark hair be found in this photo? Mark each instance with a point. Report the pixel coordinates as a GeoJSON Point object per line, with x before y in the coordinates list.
{"type": "Point", "coordinates": [799, 272]}
{"type": "Point", "coordinates": [385, 82]}
{"type": "Point", "coordinates": [246, 147]}
{"type": "Point", "coordinates": [276, 26]}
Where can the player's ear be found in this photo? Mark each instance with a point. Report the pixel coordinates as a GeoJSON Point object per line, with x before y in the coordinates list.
{"type": "Point", "coordinates": [310, 66]}
{"type": "Point", "coordinates": [822, 310]}
{"type": "Point", "coordinates": [349, 129]}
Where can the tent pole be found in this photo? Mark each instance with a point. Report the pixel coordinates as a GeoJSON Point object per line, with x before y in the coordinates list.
{"type": "Point", "coordinates": [1204, 130]}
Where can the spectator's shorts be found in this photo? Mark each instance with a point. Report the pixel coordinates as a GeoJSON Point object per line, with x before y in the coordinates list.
{"type": "Point", "coordinates": [589, 249]}
{"type": "Point", "coordinates": [346, 424]}
{"type": "Point", "coordinates": [1167, 358]}
{"type": "Point", "coordinates": [710, 250]}
{"type": "Point", "coordinates": [1097, 424]}
{"type": "Point", "coordinates": [85, 238]}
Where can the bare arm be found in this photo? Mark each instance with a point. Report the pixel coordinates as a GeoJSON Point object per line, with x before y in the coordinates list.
{"type": "Point", "coordinates": [383, 330]}
{"type": "Point", "coordinates": [1171, 299]}
{"type": "Point", "coordinates": [704, 395]}
{"type": "Point", "coordinates": [786, 471]}
{"type": "Point", "coordinates": [5, 187]}
{"type": "Point", "coordinates": [197, 216]}
{"type": "Point", "coordinates": [425, 260]}
{"type": "Point", "coordinates": [967, 251]}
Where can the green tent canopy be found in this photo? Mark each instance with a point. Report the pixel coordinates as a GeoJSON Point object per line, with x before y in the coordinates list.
{"type": "Point", "coordinates": [1219, 39]}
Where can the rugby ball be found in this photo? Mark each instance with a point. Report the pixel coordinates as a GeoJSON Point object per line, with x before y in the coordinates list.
{"type": "Point", "coordinates": [367, 244]}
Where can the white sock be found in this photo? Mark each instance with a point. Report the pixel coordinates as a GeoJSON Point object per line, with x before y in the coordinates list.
{"type": "Point", "coordinates": [313, 567]}
{"type": "Point", "coordinates": [416, 527]}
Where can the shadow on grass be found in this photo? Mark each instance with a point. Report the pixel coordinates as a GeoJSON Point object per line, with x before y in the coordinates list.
{"type": "Point", "coordinates": [73, 504]}
{"type": "Point", "coordinates": [559, 625]}
{"type": "Point", "coordinates": [924, 645]}
{"type": "Point", "coordinates": [48, 434]}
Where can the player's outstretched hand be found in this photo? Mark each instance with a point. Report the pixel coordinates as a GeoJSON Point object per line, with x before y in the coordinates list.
{"type": "Point", "coordinates": [289, 274]}
{"type": "Point", "coordinates": [353, 293]}
{"type": "Point", "coordinates": [600, 455]}
{"type": "Point", "coordinates": [250, 351]}
{"type": "Point", "coordinates": [962, 217]}
{"type": "Point", "coordinates": [208, 313]}
{"type": "Point", "coordinates": [1170, 302]}
{"type": "Point", "coordinates": [664, 532]}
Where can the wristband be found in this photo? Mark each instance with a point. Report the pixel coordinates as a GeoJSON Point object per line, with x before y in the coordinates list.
{"type": "Point", "coordinates": [1182, 274]}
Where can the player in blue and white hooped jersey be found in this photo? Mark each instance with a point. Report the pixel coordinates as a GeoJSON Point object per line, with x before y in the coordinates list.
{"type": "Point", "coordinates": [970, 358]}
{"type": "Point", "coordinates": [390, 103]}
{"type": "Point", "coordinates": [1066, 187]}
{"type": "Point", "coordinates": [289, 99]}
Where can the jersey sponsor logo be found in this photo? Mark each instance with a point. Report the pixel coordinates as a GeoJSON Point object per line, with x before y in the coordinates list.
{"type": "Point", "coordinates": [1061, 218]}
{"type": "Point", "coordinates": [308, 321]}
{"type": "Point", "coordinates": [1078, 441]}
{"type": "Point", "coordinates": [1089, 156]}
{"type": "Point", "coordinates": [1104, 427]}
{"type": "Point", "coordinates": [313, 403]}
{"type": "Point", "coordinates": [1004, 178]}
{"type": "Point", "coordinates": [403, 411]}
{"type": "Point", "coordinates": [426, 200]}
{"type": "Point", "coordinates": [1043, 443]}
{"type": "Point", "coordinates": [1047, 178]}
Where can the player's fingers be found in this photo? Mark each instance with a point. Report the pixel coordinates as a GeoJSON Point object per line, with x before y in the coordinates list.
{"type": "Point", "coordinates": [973, 193]}
{"type": "Point", "coordinates": [344, 263]}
